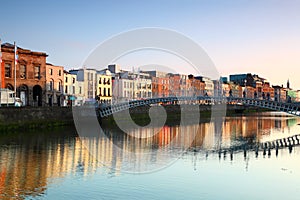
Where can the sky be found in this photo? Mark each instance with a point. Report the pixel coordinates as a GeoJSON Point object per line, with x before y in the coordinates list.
{"type": "Point", "coordinates": [255, 36]}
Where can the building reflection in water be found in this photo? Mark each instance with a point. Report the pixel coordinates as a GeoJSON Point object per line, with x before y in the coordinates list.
{"type": "Point", "coordinates": [29, 162]}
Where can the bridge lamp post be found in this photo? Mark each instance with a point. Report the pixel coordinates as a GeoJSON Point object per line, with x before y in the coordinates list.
{"type": "Point", "coordinates": [245, 90]}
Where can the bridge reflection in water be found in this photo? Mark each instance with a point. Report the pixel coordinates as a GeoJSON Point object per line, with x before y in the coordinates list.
{"type": "Point", "coordinates": [30, 163]}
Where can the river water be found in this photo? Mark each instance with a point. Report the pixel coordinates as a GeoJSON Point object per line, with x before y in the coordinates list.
{"type": "Point", "coordinates": [58, 164]}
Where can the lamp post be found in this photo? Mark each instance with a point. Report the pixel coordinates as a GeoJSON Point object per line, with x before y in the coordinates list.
{"type": "Point", "coordinates": [245, 90]}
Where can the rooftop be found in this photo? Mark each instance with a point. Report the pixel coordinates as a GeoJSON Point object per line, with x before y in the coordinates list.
{"type": "Point", "coordinates": [7, 47]}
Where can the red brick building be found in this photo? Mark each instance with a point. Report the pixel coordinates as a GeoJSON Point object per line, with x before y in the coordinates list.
{"type": "Point", "coordinates": [160, 86]}
{"type": "Point", "coordinates": [174, 85]}
{"type": "Point", "coordinates": [30, 72]}
{"type": "Point", "coordinates": [2, 85]}
{"type": "Point", "coordinates": [197, 87]}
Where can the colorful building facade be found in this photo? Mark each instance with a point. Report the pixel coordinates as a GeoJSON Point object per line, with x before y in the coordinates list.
{"type": "Point", "coordinates": [54, 85]}
{"type": "Point", "coordinates": [104, 86]}
{"type": "Point", "coordinates": [25, 74]}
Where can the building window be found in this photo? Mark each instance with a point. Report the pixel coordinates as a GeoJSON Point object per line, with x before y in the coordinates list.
{"type": "Point", "coordinates": [66, 79]}
{"type": "Point", "coordinates": [104, 92]}
{"type": "Point", "coordinates": [7, 70]}
{"type": "Point", "coordinates": [66, 89]}
{"type": "Point", "coordinates": [23, 71]}
{"type": "Point", "coordinates": [79, 89]}
{"type": "Point", "coordinates": [59, 86]}
{"type": "Point", "coordinates": [59, 72]}
{"type": "Point", "coordinates": [37, 72]}
{"type": "Point", "coordinates": [50, 71]}
{"type": "Point", "coordinates": [108, 92]}
{"type": "Point", "coordinates": [73, 88]}
{"type": "Point", "coordinates": [51, 85]}
{"type": "Point", "coordinates": [73, 80]}
{"type": "Point", "coordinates": [99, 80]}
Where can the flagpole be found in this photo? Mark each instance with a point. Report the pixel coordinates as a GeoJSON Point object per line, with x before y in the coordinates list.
{"type": "Point", "coordinates": [15, 74]}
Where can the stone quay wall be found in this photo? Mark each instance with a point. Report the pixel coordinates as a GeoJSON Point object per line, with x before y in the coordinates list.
{"type": "Point", "coordinates": [12, 118]}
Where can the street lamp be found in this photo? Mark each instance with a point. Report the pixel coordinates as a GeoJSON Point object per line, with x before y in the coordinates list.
{"type": "Point", "coordinates": [245, 90]}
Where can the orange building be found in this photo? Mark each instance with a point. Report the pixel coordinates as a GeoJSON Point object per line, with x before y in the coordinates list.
{"type": "Point", "coordinates": [54, 85]}
{"type": "Point", "coordinates": [174, 85]}
{"type": "Point", "coordinates": [250, 92]}
{"type": "Point", "coordinates": [160, 86]}
{"type": "Point", "coordinates": [30, 72]}
{"type": "Point", "coordinates": [197, 87]}
{"type": "Point", "coordinates": [267, 91]}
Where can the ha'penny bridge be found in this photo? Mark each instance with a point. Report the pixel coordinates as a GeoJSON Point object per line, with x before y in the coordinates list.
{"type": "Point", "coordinates": [290, 108]}
{"type": "Point", "coordinates": [264, 148]}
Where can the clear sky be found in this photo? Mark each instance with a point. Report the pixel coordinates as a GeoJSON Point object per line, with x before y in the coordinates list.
{"type": "Point", "coordinates": [258, 36]}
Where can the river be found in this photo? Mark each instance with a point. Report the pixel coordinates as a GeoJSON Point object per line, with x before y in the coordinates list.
{"type": "Point", "coordinates": [172, 164]}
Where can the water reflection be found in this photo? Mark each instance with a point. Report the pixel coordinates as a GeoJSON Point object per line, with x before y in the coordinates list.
{"type": "Point", "coordinates": [30, 162]}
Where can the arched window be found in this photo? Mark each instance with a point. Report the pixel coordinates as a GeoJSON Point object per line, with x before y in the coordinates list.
{"type": "Point", "coordinates": [7, 70]}
{"type": "Point", "coordinates": [59, 86]}
{"type": "Point", "coordinates": [37, 72]}
{"type": "Point", "coordinates": [10, 87]}
{"type": "Point", "coordinates": [51, 84]}
{"type": "Point", "coordinates": [23, 71]}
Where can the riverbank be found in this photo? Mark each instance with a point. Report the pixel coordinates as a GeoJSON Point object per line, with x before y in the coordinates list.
{"type": "Point", "coordinates": [34, 118]}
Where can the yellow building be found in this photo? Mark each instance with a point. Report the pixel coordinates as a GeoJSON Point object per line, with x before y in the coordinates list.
{"type": "Point", "coordinates": [104, 86]}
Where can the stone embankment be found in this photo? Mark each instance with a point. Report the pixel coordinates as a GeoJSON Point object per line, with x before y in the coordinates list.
{"type": "Point", "coordinates": [12, 118]}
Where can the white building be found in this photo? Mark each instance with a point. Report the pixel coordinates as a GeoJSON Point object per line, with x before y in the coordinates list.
{"type": "Point", "coordinates": [131, 85]}
{"type": "Point", "coordinates": [73, 90]}
{"type": "Point", "coordinates": [93, 85]}
{"type": "Point", "coordinates": [89, 79]}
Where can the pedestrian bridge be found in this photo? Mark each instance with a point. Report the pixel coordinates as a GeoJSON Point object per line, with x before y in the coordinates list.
{"type": "Point", "coordinates": [290, 108]}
